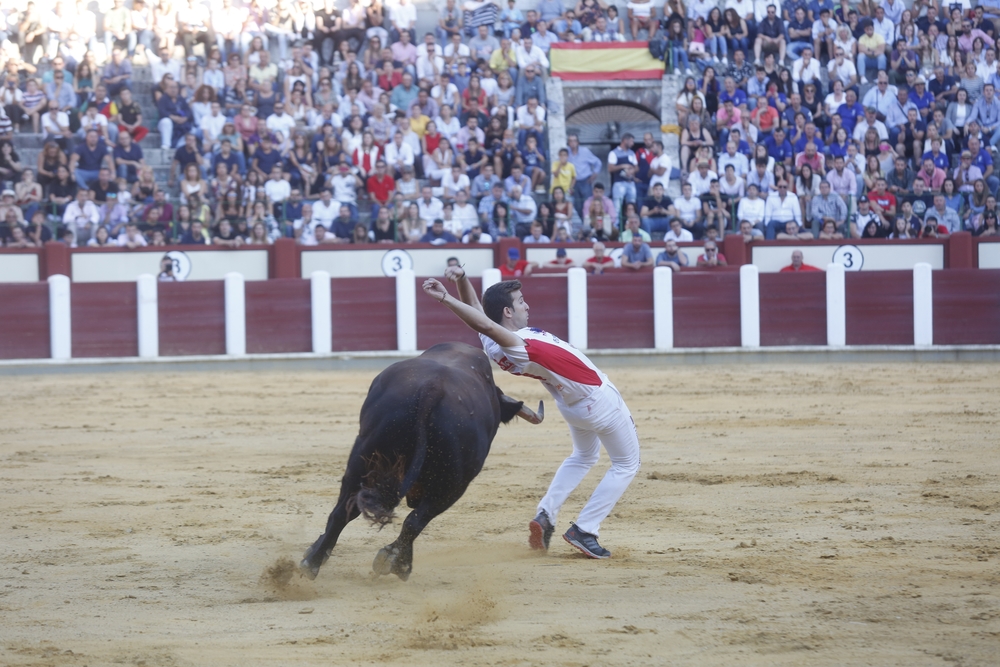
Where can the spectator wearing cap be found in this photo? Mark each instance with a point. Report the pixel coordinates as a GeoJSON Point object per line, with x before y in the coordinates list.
{"type": "Point", "coordinates": [515, 267]}
{"type": "Point", "coordinates": [8, 206]}
{"type": "Point", "coordinates": [561, 261]}
{"type": "Point", "coordinates": [870, 120]}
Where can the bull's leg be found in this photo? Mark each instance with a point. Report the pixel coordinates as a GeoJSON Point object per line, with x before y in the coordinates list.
{"type": "Point", "coordinates": [319, 552]}
{"type": "Point", "coordinates": [397, 558]}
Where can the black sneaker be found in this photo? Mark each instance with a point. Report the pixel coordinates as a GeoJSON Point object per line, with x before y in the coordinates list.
{"type": "Point", "coordinates": [540, 531]}
{"type": "Point", "coordinates": [585, 542]}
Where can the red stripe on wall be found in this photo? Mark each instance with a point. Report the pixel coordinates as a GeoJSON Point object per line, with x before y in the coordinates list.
{"type": "Point", "coordinates": [192, 318]}
{"type": "Point", "coordinates": [279, 316]}
{"type": "Point", "coordinates": [24, 321]}
{"type": "Point", "coordinates": [620, 310]}
{"type": "Point", "coordinates": [104, 320]}
{"type": "Point", "coordinates": [586, 46]}
{"type": "Point", "coordinates": [364, 314]}
{"type": "Point", "coordinates": [707, 309]}
{"type": "Point", "coordinates": [627, 74]}
{"type": "Point", "coordinates": [967, 307]}
{"type": "Point", "coordinates": [436, 324]}
{"type": "Point", "coordinates": [547, 306]}
{"type": "Point", "coordinates": [793, 308]}
{"type": "Point", "coordinates": [879, 308]}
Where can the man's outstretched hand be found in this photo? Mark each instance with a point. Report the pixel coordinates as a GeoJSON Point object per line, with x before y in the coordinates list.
{"type": "Point", "coordinates": [434, 289]}
{"type": "Point", "coordinates": [454, 273]}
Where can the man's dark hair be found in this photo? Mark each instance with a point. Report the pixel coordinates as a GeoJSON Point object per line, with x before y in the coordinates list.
{"type": "Point", "coordinates": [499, 297]}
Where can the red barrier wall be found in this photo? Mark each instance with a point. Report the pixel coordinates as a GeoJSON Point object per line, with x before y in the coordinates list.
{"type": "Point", "coordinates": [103, 317]}
{"type": "Point", "coordinates": [707, 309]}
{"type": "Point", "coordinates": [192, 318]}
{"type": "Point", "coordinates": [547, 305]}
{"type": "Point", "coordinates": [279, 317]}
{"type": "Point", "coordinates": [24, 321]}
{"type": "Point", "coordinates": [364, 314]}
{"type": "Point", "coordinates": [437, 324]}
{"type": "Point", "coordinates": [967, 307]}
{"type": "Point", "coordinates": [620, 310]}
{"type": "Point", "coordinates": [793, 308]}
{"type": "Point", "coordinates": [879, 308]}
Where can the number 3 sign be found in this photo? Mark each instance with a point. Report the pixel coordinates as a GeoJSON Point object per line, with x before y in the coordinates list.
{"type": "Point", "coordinates": [850, 256]}
{"type": "Point", "coordinates": [395, 261]}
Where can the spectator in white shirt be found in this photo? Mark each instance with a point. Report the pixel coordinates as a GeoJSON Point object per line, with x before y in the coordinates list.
{"type": "Point", "coordinates": [678, 233]}
{"type": "Point", "coordinates": [211, 126]}
{"type": "Point", "coordinates": [530, 119]}
{"type": "Point", "coordinates": [701, 179]}
{"type": "Point", "coordinates": [404, 17]}
{"type": "Point", "coordinates": [751, 208]}
{"type": "Point", "coordinates": [81, 216]}
{"type": "Point", "coordinates": [398, 154]}
{"type": "Point", "coordinates": [131, 237]}
{"type": "Point", "coordinates": [280, 123]}
{"type": "Point", "coordinates": [326, 210]}
{"type": "Point", "coordinates": [430, 208]}
{"type": "Point", "coordinates": [739, 161]}
{"type": "Point", "coordinates": [464, 213]}
{"type": "Point", "coordinates": [780, 207]}
{"type": "Point", "coordinates": [688, 206]}
{"type": "Point", "coordinates": [529, 54]}
{"type": "Point", "coordinates": [806, 69]}
{"type": "Point", "coordinates": [162, 64]}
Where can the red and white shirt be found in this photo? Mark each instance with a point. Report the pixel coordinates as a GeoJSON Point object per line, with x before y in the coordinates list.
{"type": "Point", "coordinates": [565, 371]}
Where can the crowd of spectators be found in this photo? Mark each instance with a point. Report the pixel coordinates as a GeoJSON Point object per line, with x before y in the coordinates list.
{"type": "Point", "coordinates": [814, 119]}
{"type": "Point", "coordinates": [340, 124]}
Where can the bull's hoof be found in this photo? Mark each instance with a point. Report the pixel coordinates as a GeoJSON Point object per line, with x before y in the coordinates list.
{"type": "Point", "coordinates": [387, 561]}
{"type": "Point", "coordinates": [308, 570]}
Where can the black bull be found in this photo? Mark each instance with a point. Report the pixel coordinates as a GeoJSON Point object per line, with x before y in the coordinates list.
{"type": "Point", "coordinates": [426, 428]}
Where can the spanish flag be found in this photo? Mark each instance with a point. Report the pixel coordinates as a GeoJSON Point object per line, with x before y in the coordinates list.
{"type": "Point", "coordinates": [597, 61]}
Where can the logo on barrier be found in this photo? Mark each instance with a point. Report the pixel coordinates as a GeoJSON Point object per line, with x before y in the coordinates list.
{"type": "Point", "coordinates": [850, 257]}
{"type": "Point", "coordinates": [182, 264]}
{"type": "Point", "coordinates": [395, 261]}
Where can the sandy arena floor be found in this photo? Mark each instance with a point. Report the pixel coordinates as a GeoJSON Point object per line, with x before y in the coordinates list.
{"type": "Point", "coordinates": [784, 515]}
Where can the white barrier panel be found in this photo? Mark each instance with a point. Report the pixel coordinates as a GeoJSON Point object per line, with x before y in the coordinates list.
{"type": "Point", "coordinates": [236, 314]}
{"type": "Point", "coordinates": [490, 278]}
{"type": "Point", "coordinates": [663, 308]}
{"type": "Point", "coordinates": [882, 257]}
{"type": "Point", "coordinates": [148, 316]}
{"type": "Point", "coordinates": [749, 306]}
{"type": "Point", "coordinates": [836, 306]}
{"type": "Point", "coordinates": [60, 324]}
{"type": "Point", "coordinates": [18, 268]}
{"type": "Point", "coordinates": [322, 312]}
{"type": "Point", "coordinates": [989, 255]}
{"type": "Point", "coordinates": [110, 267]}
{"type": "Point", "coordinates": [406, 311]}
{"type": "Point", "coordinates": [576, 291]}
{"type": "Point", "coordinates": [923, 305]}
{"type": "Point", "coordinates": [378, 262]}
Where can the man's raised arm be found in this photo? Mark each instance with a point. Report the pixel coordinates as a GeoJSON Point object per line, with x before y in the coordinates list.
{"type": "Point", "coordinates": [466, 292]}
{"type": "Point", "coordinates": [476, 319]}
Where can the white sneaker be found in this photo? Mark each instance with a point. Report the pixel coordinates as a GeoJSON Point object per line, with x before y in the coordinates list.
{"type": "Point", "coordinates": [688, 71]}
{"type": "Point", "coordinates": [725, 61]}
{"type": "Point", "coordinates": [864, 81]}
{"type": "Point", "coordinates": [677, 71]}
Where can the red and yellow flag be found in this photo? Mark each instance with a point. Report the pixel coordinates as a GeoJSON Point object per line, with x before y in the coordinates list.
{"type": "Point", "coordinates": [595, 61]}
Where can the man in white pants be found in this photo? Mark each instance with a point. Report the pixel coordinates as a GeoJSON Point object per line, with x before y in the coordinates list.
{"type": "Point", "coordinates": [590, 404]}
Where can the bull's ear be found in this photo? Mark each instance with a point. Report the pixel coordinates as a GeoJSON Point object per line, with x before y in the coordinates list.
{"type": "Point", "coordinates": [508, 406]}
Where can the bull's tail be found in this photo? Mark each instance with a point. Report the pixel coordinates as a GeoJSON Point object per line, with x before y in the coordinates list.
{"type": "Point", "coordinates": [389, 480]}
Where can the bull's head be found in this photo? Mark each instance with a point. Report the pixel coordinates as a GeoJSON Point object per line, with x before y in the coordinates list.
{"type": "Point", "coordinates": [510, 408]}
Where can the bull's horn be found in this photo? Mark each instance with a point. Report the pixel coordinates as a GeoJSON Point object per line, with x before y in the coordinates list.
{"type": "Point", "coordinates": [530, 416]}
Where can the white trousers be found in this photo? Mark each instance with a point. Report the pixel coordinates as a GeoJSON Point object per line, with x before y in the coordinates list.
{"type": "Point", "coordinates": [601, 419]}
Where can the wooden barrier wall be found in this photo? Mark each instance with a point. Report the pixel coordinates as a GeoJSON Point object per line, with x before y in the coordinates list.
{"type": "Point", "coordinates": [706, 308]}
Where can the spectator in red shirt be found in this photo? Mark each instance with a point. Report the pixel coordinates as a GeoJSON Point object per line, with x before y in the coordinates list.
{"type": "Point", "coordinates": [381, 186]}
{"type": "Point", "coordinates": [883, 202]}
{"type": "Point", "coordinates": [599, 261]}
{"type": "Point", "coordinates": [797, 264]}
{"type": "Point", "coordinates": [515, 267]}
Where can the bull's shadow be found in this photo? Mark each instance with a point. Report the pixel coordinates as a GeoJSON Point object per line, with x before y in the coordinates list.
{"type": "Point", "coordinates": [426, 428]}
